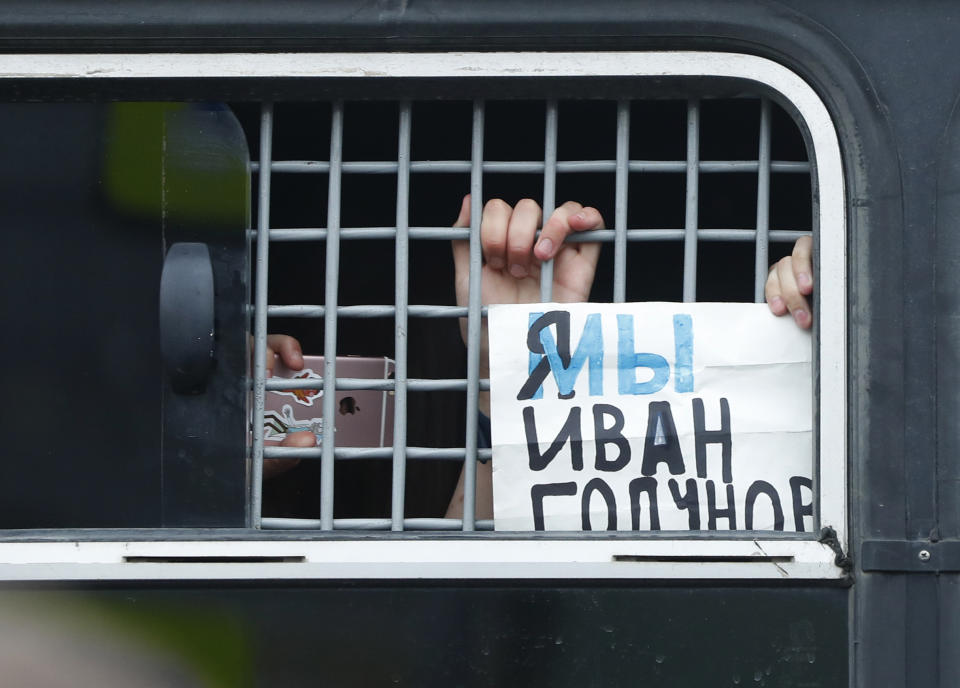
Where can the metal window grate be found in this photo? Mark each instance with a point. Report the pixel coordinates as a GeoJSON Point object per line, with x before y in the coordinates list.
{"type": "Point", "coordinates": [644, 227]}
{"type": "Point", "coordinates": [624, 171]}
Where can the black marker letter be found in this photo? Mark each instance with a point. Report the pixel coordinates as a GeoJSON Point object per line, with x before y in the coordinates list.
{"type": "Point", "coordinates": [562, 320]}
{"type": "Point", "coordinates": [648, 485]}
{"type": "Point", "coordinates": [799, 508]}
{"type": "Point", "coordinates": [538, 492]}
{"type": "Point", "coordinates": [569, 431]}
{"type": "Point", "coordinates": [598, 485]}
{"type": "Point", "coordinates": [763, 487]}
{"type": "Point", "coordinates": [713, 513]}
{"type": "Point", "coordinates": [703, 437]}
{"type": "Point", "coordinates": [690, 501]}
{"type": "Point", "coordinates": [611, 435]}
{"type": "Point", "coordinates": [661, 443]}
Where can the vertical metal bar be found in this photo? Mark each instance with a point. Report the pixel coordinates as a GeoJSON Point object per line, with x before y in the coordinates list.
{"type": "Point", "coordinates": [693, 194]}
{"type": "Point", "coordinates": [620, 219]}
{"type": "Point", "coordinates": [400, 319]}
{"type": "Point", "coordinates": [473, 321]}
{"type": "Point", "coordinates": [763, 204]}
{"type": "Point", "coordinates": [330, 318]}
{"type": "Point", "coordinates": [549, 192]}
{"type": "Point", "coordinates": [260, 315]}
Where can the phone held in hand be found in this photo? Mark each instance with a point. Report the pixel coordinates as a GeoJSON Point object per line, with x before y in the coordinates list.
{"type": "Point", "coordinates": [363, 418]}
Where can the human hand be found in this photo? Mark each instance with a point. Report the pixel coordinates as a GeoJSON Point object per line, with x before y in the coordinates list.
{"type": "Point", "coordinates": [790, 283]}
{"type": "Point", "coordinates": [513, 255]}
{"type": "Point", "coordinates": [288, 350]}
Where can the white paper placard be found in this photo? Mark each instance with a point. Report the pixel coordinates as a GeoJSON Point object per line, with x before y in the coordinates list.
{"type": "Point", "coordinates": [703, 412]}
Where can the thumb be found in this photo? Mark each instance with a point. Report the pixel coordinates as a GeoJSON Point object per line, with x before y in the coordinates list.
{"type": "Point", "coordinates": [299, 439]}
{"type": "Point", "coordinates": [461, 247]}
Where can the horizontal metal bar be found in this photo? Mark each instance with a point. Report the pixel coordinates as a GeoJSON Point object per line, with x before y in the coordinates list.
{"type": "Point", "coordinates": [531, 166]}
{"type": "Point", "coordinates": [370, 233]}
{"type": "Point", "coordinates": [281, 384]}
{"type": "Point", "coordinates": [448, 524]}
{"type": "Point", "coordinates": [600, 235]}
{"type": "Point", "coordinates": [357, 453]}
{"type": "Point", "coordinates": [910, 556]}
{"type": "Point", "coordinates": [371, 311]}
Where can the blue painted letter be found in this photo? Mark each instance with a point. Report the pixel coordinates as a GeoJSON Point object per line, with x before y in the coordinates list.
{"type": "Point", "coordinates": [628, 361]}
{"type": "Point", "coordinates": [549, 355]}
{"type": "Point", "coordinates": [683, 346]}
{"type": "Point", "coordinates": [590, 347]}
{"type": "Point", "coordinates": [534, 359]}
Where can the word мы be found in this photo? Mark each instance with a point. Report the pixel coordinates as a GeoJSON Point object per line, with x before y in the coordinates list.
{"type": "Point", "coordinates": [554, 355]}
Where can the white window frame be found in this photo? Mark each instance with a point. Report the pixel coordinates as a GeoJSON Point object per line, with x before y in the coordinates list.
{"type": "Point", "coordinates": [413, 556]}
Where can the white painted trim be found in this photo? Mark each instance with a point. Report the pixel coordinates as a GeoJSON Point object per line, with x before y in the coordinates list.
{"type": "Point", "coordinates": [832, 289]}
{"type": "Point", "coordinates": [419, 559]}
